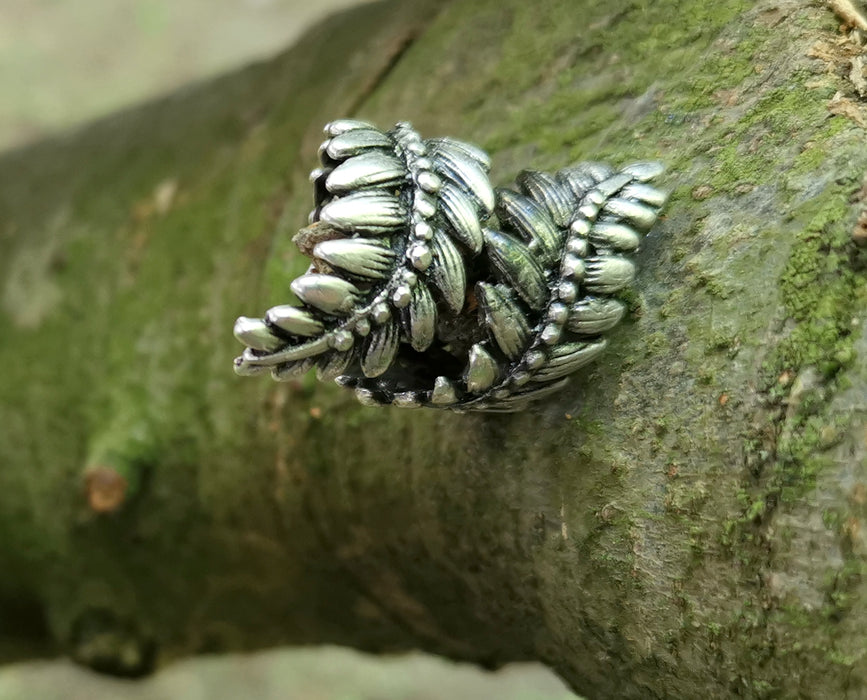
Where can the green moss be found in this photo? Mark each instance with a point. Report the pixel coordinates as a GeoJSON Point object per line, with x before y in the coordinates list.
{"type": "Point", "coordinates": [723, 340]}
{"type": "Point", "coordinates": [686, 499]}
{"type": "Point", "coordinates": [567, 109]}
{"type": "Point", "coordinates": [657, 343]}
{"type": "Point", "coordinates": [771, 123]}
{"type": "Point", "coordinates": [820, 293]}
{"type": "Point", "coordinates": [811, 157]}
{"type": "Point", "coordinates": [762, 688]}
{"type": "Point", "coordinates": [839, 658]}
{"type": "Point", "coordinates": [818, 288]}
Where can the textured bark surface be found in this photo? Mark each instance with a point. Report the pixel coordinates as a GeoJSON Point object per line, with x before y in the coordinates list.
{"type": "Point", "coordinates": [687, 520]}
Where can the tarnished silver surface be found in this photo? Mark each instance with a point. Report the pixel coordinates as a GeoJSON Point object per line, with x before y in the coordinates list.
{"type": "Point", "coordinates": [429, 287]}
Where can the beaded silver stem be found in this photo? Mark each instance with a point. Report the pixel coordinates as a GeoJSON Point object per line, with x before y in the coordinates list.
{"type": "Point", "coordinates": [430, 288]}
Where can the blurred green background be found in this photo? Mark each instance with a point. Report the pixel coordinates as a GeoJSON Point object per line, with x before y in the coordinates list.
{"type": "Point", "coordinates": [66, 62]}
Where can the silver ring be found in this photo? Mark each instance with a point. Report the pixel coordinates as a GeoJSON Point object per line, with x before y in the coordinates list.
{"type": "Point", "coordinates": [429, 287]}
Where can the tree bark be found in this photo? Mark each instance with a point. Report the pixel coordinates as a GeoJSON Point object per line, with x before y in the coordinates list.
{"type": "Point", "coordinates": [686, 520]}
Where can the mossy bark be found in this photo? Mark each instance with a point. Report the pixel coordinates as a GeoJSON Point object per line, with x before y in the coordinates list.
{"type": "Point", "coordinates": [687, 520]}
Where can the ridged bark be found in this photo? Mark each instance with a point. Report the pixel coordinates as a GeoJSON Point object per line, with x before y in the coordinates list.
{"type": "Point", "coordinates": [687, 520]}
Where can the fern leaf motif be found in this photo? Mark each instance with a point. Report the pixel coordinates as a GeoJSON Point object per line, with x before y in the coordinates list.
{"type": "Point", "coordinates": [429, 287]}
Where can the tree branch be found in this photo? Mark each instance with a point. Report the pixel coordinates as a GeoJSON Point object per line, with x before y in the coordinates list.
{"type": "Point", "coordinates": [689, 513]}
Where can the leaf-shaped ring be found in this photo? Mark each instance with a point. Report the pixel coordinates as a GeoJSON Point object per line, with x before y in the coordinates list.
{"type": "Point", "coordinates": [428, 287]}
